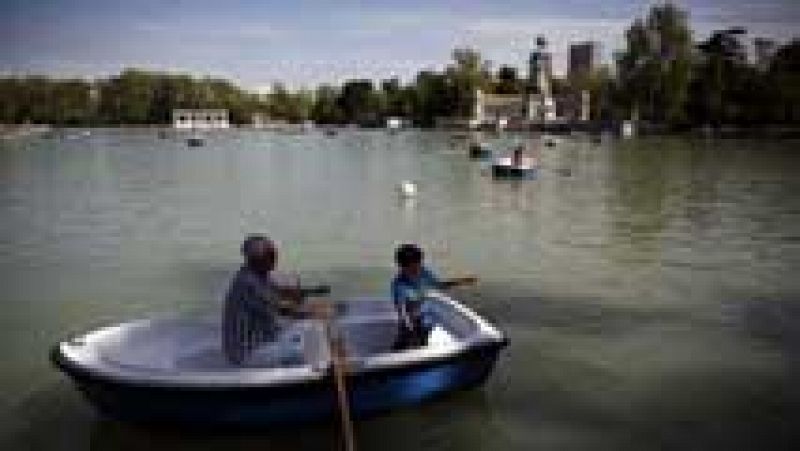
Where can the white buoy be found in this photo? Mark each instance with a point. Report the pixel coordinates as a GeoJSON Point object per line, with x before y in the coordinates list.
{"type": "Point", "coordinates": [407, 188]}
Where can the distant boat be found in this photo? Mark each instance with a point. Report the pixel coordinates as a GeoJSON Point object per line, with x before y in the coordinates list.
{"type": "Point", "coordinates": [506, 169]}
{"type": "Point", "coordinates": [162, 134]}
{"type": "Point", "coordinates": [195, 141]}
{"type": "Point", "coordinates": [172, 370]}
{"type": "Point", "coordinates": [479, 151]}
{"type": "Point", "coordinates": [330, 132]}
{"type": "Point", "coordinates": [395, 123]}
{"type": "Point", "coordinates": [550, 141]}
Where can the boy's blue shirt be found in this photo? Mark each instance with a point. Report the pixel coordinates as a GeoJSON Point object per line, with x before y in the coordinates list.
{"type": "Point", "coordinates": [408, 291]}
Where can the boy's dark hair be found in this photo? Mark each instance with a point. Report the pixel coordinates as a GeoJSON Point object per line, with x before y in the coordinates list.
{"type": "Point", "coordinates": [407, 254]}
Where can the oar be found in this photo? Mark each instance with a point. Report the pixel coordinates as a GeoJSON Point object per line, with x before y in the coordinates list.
{"type": "Point", "coordinates": [336, 347]}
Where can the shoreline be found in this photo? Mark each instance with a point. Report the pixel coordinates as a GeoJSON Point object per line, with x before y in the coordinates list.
{"type": "Point", "coordinates": [12, 131]}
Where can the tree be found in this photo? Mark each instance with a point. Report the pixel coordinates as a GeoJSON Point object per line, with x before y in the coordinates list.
{"type": "Point", "coordinates": [397, 101]}
{"type": "Point", "coordinates": [507, 81]}
{"type": "Point", "coordinates": [602, 89]}
{"type": "Point", "coordinates": [720, 72]}
{"type": "Point", "coordinates": [358, 102]}
{"type": "Point", "coordinates": [655, 67]}
{"type": "Point", "coordinates": [465, 76]}
{"type": "Point", "coordinates": [431, 99]}
{"type": "Point", "coordinates": [783, 78]}
{"type": "Point", "coordinates": [325, 109]}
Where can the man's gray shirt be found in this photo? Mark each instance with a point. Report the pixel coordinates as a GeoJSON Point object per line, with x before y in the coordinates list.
{"type": "Point", "coordinates": [250, 315]}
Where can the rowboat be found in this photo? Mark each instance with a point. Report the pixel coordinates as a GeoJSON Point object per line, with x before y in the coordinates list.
{"type": "Point", "coordinates": [171, 370]}
{"type": "Point", "coordinates": [505, 168]}
{"type": "Point", "coordinates": [479, 151]}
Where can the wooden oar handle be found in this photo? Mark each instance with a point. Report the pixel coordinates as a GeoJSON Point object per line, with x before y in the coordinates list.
{"type": "Point", "coordinates": [339, 368]}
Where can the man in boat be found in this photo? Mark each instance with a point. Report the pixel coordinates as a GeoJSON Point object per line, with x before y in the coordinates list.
{"type": "Point", "coordinates": [257, 307]}
{"type": "Point", "coordinates": [516, 159]}
{"type": "Point", "coordinates": [409, 290]}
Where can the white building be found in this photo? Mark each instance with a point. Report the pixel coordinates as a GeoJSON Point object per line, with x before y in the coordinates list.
{"type": "Point", "coordinates": [200, 119]}
{"type": "Point", "coordinates": [499, 109]}
{"type": "Point", "coordinates": [537, 105]}
{"type": "Point", "coordinates": [395, 123]}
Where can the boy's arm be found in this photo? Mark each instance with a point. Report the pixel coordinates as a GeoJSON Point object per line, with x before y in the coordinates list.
{"type": "Point", "coordinates": [404, 316]}
{"type": "Point", "coordinates": [456, 281]}
{"type": "Point", "coordinates": [444, 284]}
{"type": "Point", "coordinates": [400, 298]}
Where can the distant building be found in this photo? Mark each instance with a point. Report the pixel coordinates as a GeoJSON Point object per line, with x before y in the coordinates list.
{"type": "Point", "coordinates": [537, 105]}
{"type": "Point", "coordinates": [583, 58]}
{"type": "Point", "coordinates": [395, 123]}
{"type": "Point", "coordinates": [500, 108]}
{"type": "Point", "coordinates": [539, 102]}
{"type": "Point", "coordinates": [263, 120]}
{"type": "Point", "coordinates": [202, 119]}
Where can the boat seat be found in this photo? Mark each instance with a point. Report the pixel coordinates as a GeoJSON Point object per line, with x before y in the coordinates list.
{"type": "Point", "coordinates": [300, 342]}
{"type": "Point", "coordinates": [369, 334]}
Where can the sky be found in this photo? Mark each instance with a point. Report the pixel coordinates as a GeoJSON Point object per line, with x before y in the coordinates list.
{"type": "Point", "coordinates": [305, 42]}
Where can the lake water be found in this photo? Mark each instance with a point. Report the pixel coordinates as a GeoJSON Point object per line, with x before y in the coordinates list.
{"type": "Point", "coordinates": [650, 288]}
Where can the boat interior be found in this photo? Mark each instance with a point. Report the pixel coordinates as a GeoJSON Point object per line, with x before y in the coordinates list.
{"type": "Point", "coordinates": [368, 328]}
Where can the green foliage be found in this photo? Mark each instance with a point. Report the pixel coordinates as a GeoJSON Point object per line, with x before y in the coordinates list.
{"type": "Point", "coordinates": [292, 107]}
{"type": "Point", "coordinates": [359, 102]}
{"type": "Point", "coordinates": [655, 67]}
{"type": "Point", "coordinates": [41, 100]}
{"type": "Point", "coordinates": [464, 77]}
{"type": "Point", "coordinates": [507, 81]}
{"type": "Point", "coordinates": [326, 109]}
{"type": "Point", "coordinates": [783, 85]}
{"type": "Point", "coordinates": [431, 99]}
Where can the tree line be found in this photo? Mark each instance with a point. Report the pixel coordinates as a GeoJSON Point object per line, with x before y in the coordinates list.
{"type": "Point", "coordinates": [661, 76]}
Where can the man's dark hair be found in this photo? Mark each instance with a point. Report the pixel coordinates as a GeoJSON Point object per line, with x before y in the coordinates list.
{"type": "Point", "coordinates": [407, 254]}
{"type": "Point", "coordinates": [250, 242]}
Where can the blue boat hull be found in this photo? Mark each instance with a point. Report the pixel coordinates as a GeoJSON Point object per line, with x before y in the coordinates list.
{"type": "Point", "coordinates": [370, 392]}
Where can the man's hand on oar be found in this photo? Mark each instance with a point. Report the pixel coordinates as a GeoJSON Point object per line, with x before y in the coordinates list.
{"type": "Point", "coordinates": [320, 309]}
{"type": "Point", "coordinates": [318, 290]}
{"type": "Point", "coordinates": [293, 302]}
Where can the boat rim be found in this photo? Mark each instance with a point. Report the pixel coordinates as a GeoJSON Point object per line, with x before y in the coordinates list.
{"type": "Point", "coordinates": [63, 356]}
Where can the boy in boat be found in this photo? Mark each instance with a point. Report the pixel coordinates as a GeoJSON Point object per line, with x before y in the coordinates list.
{"type": "Point", "coordinates": [256, 306]}
{"type": "Point", "coordinates": [409, 289]}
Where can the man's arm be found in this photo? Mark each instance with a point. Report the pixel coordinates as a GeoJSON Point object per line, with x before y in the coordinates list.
{"type": "Point", "coordinates": [292, 297]}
